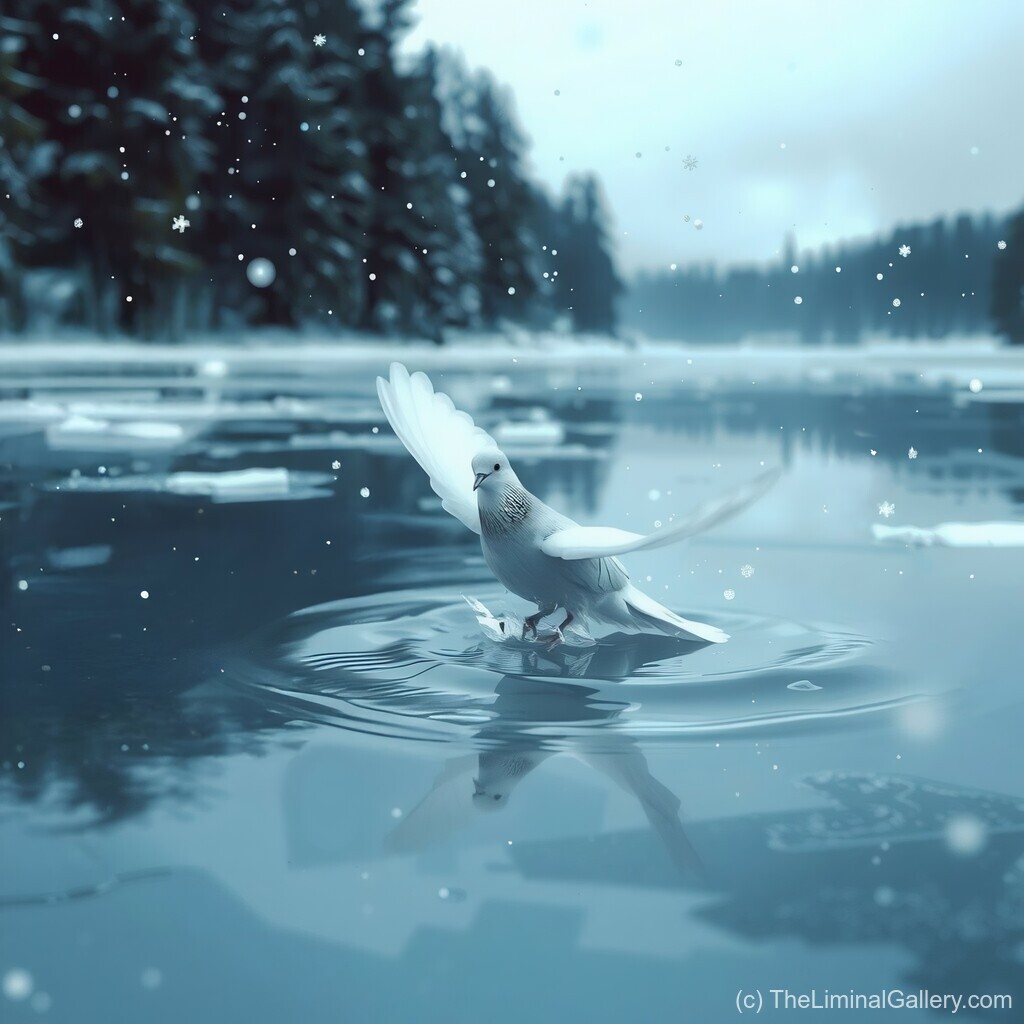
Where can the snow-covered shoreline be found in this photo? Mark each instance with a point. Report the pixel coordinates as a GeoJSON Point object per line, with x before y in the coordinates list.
{"type": "Point", "coordinates": [304, 364]}
{"type": "Point", "coordinates": [489, 348]}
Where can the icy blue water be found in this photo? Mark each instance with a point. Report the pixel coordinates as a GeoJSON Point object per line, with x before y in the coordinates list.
{"type": "Point", "coordinates": [261, 761]}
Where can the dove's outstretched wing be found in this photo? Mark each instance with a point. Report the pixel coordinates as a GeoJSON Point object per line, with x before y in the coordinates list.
{"type": "Point", "coordinates": [439, 437]}
{"type": "Point", "coordinates": [604, 541]}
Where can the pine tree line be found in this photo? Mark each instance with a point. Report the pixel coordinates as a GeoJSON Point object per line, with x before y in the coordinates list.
{"type": "Point", "coordinates": [389, 195]}
{"type": "Point", "coordinates": [955, 279]}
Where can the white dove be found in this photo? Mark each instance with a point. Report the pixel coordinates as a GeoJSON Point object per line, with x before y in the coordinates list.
{"type": "Point", "coordinates": [536, 552]}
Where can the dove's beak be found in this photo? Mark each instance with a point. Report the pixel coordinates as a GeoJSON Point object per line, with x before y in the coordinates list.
{"type": "Point", "coordinates": [480, 478]}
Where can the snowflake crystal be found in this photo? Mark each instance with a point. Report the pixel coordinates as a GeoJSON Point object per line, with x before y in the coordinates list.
{"type": "Point", "coordinates": [904, 251]}
{"type": "Point", "coordinates": [746, 571]}
{"type": "Point", "coordinates": [887, 508]}
{"type": "Point", "coordinates": [319, 39]}
{"type": "Point", "coordinates": [78, 222]}
{"type": "Point", "coordinates": [912, 454]}
{"type": "Point", "coordinates": [690, 163]}
{"type": "Point", "coordinates": [179, 224]}
{"type": "Point", "coordinates": [1000, 244]}
{"type": "Point", "coordinates": [729, 594]}
{"type": "Point", "coordinates": [335, 464]}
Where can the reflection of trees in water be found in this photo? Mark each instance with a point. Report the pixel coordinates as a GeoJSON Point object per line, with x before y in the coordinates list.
{"type": "Point", "coordinates": [93, 666]}
{"type": "Point", "coordinates": [1007, 419]}
{"type": "Point", "coordinates": [948, 434]}
{"type": "Point", "coordinates": [873, 870]}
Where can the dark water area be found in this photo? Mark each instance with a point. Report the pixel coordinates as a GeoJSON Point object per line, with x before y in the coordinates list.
{"type": "Point", "coordinates": [266, 755]}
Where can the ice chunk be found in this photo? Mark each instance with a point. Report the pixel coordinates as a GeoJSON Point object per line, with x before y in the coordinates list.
{"type": "Point", "coordinates": [79, 431]}
{"type": "Point", "coordinates": [240, 481]}
{"type": "Point", "coordinates": [803, 684]}
{"type": "Point", "coordinates": [79, 558]}
{"type": "Point", "coordinates": [534, 431]}
{"type": "Point", "coordinates": [956, 535]}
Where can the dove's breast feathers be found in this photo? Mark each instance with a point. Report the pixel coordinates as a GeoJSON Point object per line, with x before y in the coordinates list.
{"type": "Point", "coordinates": [514, 526]}
{"type": "Point", "coordinates": [513, 506]}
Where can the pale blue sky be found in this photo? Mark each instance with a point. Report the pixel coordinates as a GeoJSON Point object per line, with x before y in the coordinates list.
{"type": "Point", "coordinates": [878, 104]}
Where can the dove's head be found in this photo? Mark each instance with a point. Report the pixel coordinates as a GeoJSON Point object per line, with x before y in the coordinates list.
{"type": "Point", "coordinates": [499, 773]}
{"type": "Point", "coordinates": [491, 471]}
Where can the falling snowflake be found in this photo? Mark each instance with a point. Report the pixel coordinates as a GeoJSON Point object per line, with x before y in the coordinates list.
{"type": "Point", "coordinates": [904, 251]}
{"type": "Point", "coordinates": [1000, 244]}
{"type": "Point", "coordinates": [874, 451]}
{"type": "Point", "coordinates": [729, 594]}
{"type": "Point", "coordinates": [319, 39]}
{"type": "Point", "coordinates": [886, 509]}
{"type": "Point", "coordinates": [746, 571]}
{"type": "Point", "coordinates": [912, 454]}
{"type": "Point", "coordinates": [690, 163]}
{"type": "Point", "coordinates": [335, 464]}
{"type": "Point", "coordinates": [78, 222]}
{"type": "Point", "coordinates": [179, 224]}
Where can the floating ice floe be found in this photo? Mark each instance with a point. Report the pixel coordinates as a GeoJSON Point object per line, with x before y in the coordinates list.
{"type": "Point", "coordinates": [231, 482]}
{"type": "Point", "coordinates": [538, 429]}
{"type": "Point", "coordinates": [955, 535]}
{"type": "Point", "coordinates": [86, 432]}
{"type": "Point", "coordinates": [79, 558]}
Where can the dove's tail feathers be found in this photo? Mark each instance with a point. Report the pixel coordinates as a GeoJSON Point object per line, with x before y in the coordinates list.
{"type": "Point", "coordinates": [645, 613]}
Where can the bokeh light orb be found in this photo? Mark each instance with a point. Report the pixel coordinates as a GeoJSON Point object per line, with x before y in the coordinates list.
{"type": "Point", "coordinates": [261, 272]}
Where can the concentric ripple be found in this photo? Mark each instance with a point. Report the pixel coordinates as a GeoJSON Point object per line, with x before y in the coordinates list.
{"type": "Point", "coordinates": [418, 665]}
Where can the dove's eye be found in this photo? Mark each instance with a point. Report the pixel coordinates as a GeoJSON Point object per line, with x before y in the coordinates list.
{"type": "Point", "coordinates": [497, 466]}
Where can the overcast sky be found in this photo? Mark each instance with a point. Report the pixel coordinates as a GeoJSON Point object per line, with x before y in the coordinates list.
{"type": "Point", "coordinates": [830, 119]}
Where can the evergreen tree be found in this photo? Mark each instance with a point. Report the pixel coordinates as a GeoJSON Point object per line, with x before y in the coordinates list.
{"type": "Point", "coordinates": [122, 115]}
{"type": "Point", "coordinates": [1008, 282]}
{"type": "Point", "coordinates": [24, 156]}
{"type": "Point", "coordinates": [511, 217]}
{"type": "Point", "coordinates": [588, 282]}
{"type": "Point", "coordinates": [412, 214]}
{"type": "Point", "coordinates": [452, 255]}
{"type": "Point", "coordinates": [290, 161]}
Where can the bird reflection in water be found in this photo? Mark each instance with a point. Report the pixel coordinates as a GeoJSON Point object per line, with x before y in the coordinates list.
{"type": "Point", "coordinates": [535, 719]}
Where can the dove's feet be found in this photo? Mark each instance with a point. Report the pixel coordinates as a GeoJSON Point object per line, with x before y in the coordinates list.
{"type": "Point", "coordinates": [531, 621]}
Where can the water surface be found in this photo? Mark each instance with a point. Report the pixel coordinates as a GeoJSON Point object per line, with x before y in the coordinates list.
{"type": "Point", "coordinates": [262, 761]}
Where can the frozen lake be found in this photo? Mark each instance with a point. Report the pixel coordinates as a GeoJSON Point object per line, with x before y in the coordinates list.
{"type": "Point", "coordinates": [246, 704]}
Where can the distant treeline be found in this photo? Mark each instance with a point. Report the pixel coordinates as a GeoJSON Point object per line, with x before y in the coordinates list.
{"type": "Point", "coordinates": [388, 195]}
{"type": "Point", "coordinates": [955, 279]}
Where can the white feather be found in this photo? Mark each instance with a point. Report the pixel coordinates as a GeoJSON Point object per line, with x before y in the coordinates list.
{"type": "Point", "coordinates": [605, 541]}
{"type": "Point", "coordinates": [439, 437]}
